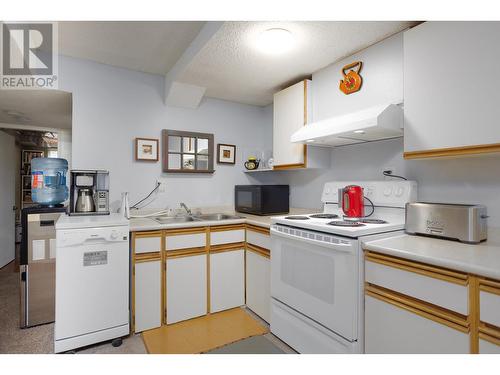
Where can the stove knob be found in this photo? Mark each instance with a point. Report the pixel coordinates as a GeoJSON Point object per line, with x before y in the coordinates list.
{"type": "Point", "coordinates": [400, 191]}
{"type": "Point", "coordinates": [388, 191]}
{"type": "Point", "coordinates": [114, 235]}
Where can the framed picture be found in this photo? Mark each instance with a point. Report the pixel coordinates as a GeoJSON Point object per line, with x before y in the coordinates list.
{"type": "Point", "coordinates": [226, 154]}
{"type": "Point", "coordinates": [146, 149]}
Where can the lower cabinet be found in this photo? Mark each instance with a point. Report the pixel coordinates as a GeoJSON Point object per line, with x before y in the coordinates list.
{"type": "Point", "coordinates": [258, 282]}
{"type": "Point", "coordinates": [227, 279]}
{"type": "Point", "coordinates": [394, 330]}
{"type": "Point", "coordinates": [489, 346]}
{"type": "Point", "coordinates": [186, 287]}
{"type": "Point", "coordinates": [147, 294]}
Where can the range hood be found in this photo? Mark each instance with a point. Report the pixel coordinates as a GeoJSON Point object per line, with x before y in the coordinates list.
{"type": "Point", "coordinates": [370, 124]}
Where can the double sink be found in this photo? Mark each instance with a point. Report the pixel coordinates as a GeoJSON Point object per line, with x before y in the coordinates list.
{"type": "Point", "coordinates": [190, 218]}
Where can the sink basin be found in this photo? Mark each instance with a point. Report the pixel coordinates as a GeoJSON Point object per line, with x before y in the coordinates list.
{"type": "Point", "coordinates": [174, 220]}
{"type": "Point", "coordinates": [217, 217]}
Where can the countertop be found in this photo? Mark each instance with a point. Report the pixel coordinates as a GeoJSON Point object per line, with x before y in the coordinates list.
{"type": "Point", "coordinates": [143, 224]}
{"type": "Point", "coordinates": [482, 259]}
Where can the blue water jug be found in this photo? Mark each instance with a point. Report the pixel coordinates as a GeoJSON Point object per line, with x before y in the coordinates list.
{"type": "Point", "coordinates": [48, 181]}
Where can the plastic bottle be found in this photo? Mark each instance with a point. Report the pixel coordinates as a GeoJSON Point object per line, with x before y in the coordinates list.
{"type": "Point", "coordinates": [48, 181]}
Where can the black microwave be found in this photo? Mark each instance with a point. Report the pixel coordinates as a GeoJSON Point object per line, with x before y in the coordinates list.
{"type": "Point", "coordinates": [262, 199]}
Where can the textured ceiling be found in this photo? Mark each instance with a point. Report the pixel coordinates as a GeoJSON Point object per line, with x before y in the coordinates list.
{"type": "Point", "coordinates": [233, 69]}
{"type": "Point", "coordinates": [41, 108]}
{"type": "Point", "coordinates": [151, 47]}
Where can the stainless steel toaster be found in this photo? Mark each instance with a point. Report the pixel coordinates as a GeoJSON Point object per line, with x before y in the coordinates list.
{"type": "Point", "coordinates": [463, 222]}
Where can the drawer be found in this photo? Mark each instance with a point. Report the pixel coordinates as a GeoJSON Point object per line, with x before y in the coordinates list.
{"type": "Point", "coordinates": [444, 288]}
{"type": "Point", "coordinates": [185, 241]}
{"type": "Point", "coordinates": [489, 302]}
{"type": "Point", "coordinates": [393, 329]}
{"type": "Point", "coordinates": [221, 235]}
{"type": "Point", "coordinates": [489, 345]}
{"type": "Point", "coordinates": [259, 238]}
{"type": "Point", "coordinates": [148, 242]}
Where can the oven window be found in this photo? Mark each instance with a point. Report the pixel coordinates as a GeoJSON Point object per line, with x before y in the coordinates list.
{"type": "Point", "coordinates": [245, 199]}
{"type": "Point", "coordinates": [311, 273]}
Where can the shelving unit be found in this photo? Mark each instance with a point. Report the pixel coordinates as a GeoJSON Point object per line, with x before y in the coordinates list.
{"type": "Point", "coordinates": [259, 170]}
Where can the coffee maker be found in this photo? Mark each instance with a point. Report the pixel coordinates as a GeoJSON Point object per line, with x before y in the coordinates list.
{"type": "Point", "coordinates": [89, 192]}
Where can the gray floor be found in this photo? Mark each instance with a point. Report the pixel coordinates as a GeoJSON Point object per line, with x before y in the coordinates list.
{"type": "Point", "coordinates": [40, 339]}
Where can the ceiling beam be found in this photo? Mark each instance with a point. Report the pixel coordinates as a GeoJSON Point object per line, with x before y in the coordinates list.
{"type": "Point", "coordinates": [173, 92]}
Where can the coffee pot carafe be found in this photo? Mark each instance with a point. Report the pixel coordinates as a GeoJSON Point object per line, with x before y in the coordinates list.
{"type": "Point", "coordinates": [85, 200]}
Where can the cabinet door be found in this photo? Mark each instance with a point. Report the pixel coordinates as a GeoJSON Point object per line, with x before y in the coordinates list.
{"type": "Point", "coordinates": [258, 284]}
{"type": "Point", "coordinates": [451, 79]}
{"type": "Point", "coordinates": [289, 115]}
{"type": "Point", "coordinates": [391, 329]}
{"type": "Point", "coordinates": [146, 242]}
{"type": "Point", "coordinates": [489, 346]}
{"type": "Point", "coordinates": [227, 284]}
{"type": "Point", "coordinates": [147, 303]}
{"type": "Point", "coordinates": [186, 287]}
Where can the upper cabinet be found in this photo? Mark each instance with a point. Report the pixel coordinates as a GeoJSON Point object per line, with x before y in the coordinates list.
{"type": "Point", "coordinates": [451, 82]}
{"type": "Point", "coordinates": [382, 74]}
{"type": "Point", "coordinates": [291, 111]}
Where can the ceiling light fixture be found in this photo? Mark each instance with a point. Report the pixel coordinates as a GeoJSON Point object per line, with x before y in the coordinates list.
{"type": "Point", "coordinates": [359, 131]}
{"type": "Point", "coordinates": [275, 41]}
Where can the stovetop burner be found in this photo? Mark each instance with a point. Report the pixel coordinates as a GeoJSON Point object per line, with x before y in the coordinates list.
{"type": "Point", "coordinates": [343, 223]}
{"type": "Point", "coordinates": [324, 216]}
{"type": "Point", "coordinates": [373, 221]}
{"type": "Point", "coordinates": [296, 218]}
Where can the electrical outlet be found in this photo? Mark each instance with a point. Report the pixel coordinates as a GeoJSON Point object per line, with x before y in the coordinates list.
{"type": "Point", "coordinates": [163, 184]}
{"type": "Point", "coordinates": [389, 168]}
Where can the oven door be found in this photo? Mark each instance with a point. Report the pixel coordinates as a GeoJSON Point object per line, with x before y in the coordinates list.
{"type": "Point", "coordinates": [248, 199]}
{"type": "Point", "coordinates": [316, 274]}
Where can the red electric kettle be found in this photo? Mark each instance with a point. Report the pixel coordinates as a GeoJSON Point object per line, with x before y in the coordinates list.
{"type": "Point", "coordinates": [351, 200]}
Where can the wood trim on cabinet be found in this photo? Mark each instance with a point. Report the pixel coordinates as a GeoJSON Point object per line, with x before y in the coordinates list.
{"type": "Point", "coordinates": [258, 229]}
{"type": "Point", "coordinates": [132, 296]}
{"type": "Point", "coordinates": [147, 257]}
{"type": "Point", "coordinates": [163, 268]}
{"type": "Point", "coordinates": [453, 151]}
{"type": "Point", "coordinates": [289, 166]}
{"type": "Point", "coordinates": [474, 314]}
{"type": "Point", "coordinates": [227, 247]}
{"type": "Point", "coordinates": [424, 309]}
{"type": "Point", "coordinates": [224, 228]}
{"type": "Point", "coordinates": [182, 231]}
{"type": "Point", "coordinates": [491, 339]}
{"type": "Point", "coordinates": [490, 286]}
{"type": "Point", "coordinates": [156, 233]}
{"type": "Point", "coordinates": [207, 251]}
{"type": "Point", "coordinates": [489, 329]}
{"type": "Point", "coordinates": [180, 253]}
{"type": "Point", "coordinates": [419, 268]}
{"type": "Point", "coordinates": [259, 250]}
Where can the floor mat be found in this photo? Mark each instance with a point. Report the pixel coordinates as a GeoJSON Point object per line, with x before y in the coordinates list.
{"type": "Point", "coordinates": [251, 345]}
{"type": "Point", "coordinates": [202, 334]}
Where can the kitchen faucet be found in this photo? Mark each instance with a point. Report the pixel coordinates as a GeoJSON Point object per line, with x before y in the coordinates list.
{"type": "Point", "coordinates": [183, 205]}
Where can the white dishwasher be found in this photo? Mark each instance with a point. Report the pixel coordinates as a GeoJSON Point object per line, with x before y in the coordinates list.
{"type": "Point", "coordinates": [92, 280]}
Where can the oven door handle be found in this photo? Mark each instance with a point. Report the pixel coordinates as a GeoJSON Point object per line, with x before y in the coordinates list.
{"type": "Point", "coordinates": [341, 247]}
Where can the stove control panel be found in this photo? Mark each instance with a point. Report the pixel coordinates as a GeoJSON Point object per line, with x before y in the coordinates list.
{"type": "Point", "coordinates": [381, 193]}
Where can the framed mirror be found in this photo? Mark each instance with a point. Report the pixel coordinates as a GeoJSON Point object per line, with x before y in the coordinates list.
{"type": "Point", "coordinates": [187, 152]}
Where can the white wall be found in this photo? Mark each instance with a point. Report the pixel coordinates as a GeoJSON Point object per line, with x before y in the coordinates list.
{"type": "Point", "coordinates": [7, 197]}
{"type": "Point", "coordinates": [458, 180]}
{"type": "Point", "coordinates": [112, 106]}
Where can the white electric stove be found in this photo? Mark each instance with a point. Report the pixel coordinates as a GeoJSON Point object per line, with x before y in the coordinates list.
{"type": "Point", "coordinates": [317, 269]}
